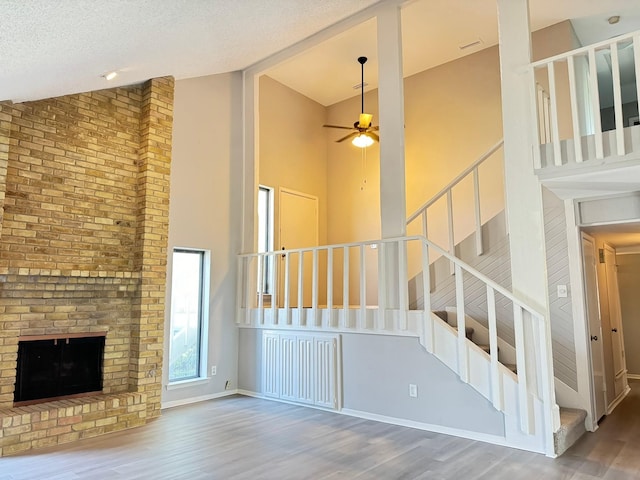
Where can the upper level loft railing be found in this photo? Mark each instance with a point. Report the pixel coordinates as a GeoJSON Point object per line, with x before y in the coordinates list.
{"type": "Point", "coordinates": [585, 101]}
{"type": "Point", "coordinates": [421, 214]}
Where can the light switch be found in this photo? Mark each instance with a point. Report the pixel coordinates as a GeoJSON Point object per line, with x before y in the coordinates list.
{"type": "Point", "coordinates": [562, 291]}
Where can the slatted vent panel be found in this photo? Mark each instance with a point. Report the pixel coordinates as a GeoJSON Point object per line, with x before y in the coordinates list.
{"type": "Point", "coordinates": [302, 368]}
{"type": "Point", "coordinates": [271, 364]}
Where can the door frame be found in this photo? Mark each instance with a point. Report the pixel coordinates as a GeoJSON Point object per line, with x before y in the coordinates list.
{"type": "Point", "coordinates": [623, 373]}
{"type": "Point", "coordinates": [289, 191]}
{"type": "Point", "coordinates": [593, 390]}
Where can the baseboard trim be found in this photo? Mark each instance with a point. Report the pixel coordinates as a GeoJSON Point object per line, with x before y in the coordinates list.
{"type": "Point", "coordinates": [617, 401]}
{"type": "Point", "coordinates": [455, 432]}
{"type": "Point", "coordinates": [202, 398]}
{"type": "Point", "coordinates": [248, 393]}
{"type": "Point", "coordinates": [401, 422]}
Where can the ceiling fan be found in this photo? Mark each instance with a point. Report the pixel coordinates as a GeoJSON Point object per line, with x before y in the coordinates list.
{"type": "Point", "coordinates": [363, 133]}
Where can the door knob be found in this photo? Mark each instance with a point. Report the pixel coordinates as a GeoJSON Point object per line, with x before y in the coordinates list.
{"type": "Point", "coordinates": [594, 337]}
{"type": "Point", "coordinates": [614, 330]}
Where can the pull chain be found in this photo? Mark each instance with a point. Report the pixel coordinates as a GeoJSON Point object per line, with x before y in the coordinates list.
{"type": "Point", "coordinates": [364, 169]}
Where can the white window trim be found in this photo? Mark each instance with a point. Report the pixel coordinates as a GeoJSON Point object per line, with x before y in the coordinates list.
{"type": "Point", "coordinates": [202, 377]}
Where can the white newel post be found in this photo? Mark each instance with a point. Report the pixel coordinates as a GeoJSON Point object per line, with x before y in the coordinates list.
{"type": "Point", "coordinates": [523, 191]}
{"type": "Point", "coordinates": [392, 177]}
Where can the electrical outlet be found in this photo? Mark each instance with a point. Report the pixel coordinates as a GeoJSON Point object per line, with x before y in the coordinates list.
{"type": "Point", "coordinates": [214, 370]}
{"type": "Point", "coordinates": [413, 390]}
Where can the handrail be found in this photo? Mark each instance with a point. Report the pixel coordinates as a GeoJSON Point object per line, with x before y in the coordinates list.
{"type": "Point", "coordinates": [448, 191]}
{"type": "Point", "coordinates": [583, 120]}
{"type": "Point", "coordinates": [535, 368]}
{"type": "Point", "coordinates": [455, 181]}
{"type": "Point", "coordinates": [480, 276]}
{"type": "Point", "coordinates": [581, 50]}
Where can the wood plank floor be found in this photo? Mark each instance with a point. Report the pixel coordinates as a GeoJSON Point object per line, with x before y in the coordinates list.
{"type": "Point", "coordinates": [246, 438]}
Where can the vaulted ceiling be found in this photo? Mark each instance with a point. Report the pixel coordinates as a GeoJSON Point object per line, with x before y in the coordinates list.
{"type": "Point", "coordinates": [52, 48]}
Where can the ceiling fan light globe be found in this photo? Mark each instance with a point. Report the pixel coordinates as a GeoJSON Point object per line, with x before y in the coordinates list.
{"type": "Point", "coordinates": [362, 141]}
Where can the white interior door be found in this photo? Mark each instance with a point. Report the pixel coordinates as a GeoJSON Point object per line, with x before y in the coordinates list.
{"type": "Point", "coordinates": [615, 318]}
{"type": "Point", "coordinates": [589, 259]}
{"type": "Point", "coordinates": [298, 229]}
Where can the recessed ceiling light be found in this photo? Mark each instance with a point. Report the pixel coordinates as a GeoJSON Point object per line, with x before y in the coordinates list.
{"type": "Point", "coordinates": [110, 75]}
{"type": "Point", "coordinates": [613, 19]}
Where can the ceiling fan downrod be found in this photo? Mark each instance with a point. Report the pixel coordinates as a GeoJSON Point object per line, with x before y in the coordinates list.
{"type": "Point", "coordinates": [362, 61]}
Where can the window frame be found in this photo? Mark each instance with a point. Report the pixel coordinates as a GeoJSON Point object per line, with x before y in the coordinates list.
{"type": "Point", "coordinates": [268, 244]}
{"type": "Point", "coordinates": [203, 316]}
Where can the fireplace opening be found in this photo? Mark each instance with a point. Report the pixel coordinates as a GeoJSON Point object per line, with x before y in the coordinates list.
{"type": "Point", "coordinates": [58, 367]}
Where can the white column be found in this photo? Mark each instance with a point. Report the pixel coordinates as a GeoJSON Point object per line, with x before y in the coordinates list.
{"type": "Point", "coordinates": [392, 178]}
{"type": "Point", "coordinates": [524, 208]}
{"type": "Point", "coordinates": [391, 110]}
{"type": "Point", "coordinates": [523, 190]}
{"type": "Point", "coordinates": [250, 164]}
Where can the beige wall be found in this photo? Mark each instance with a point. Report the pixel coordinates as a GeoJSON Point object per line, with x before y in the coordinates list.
{"type": "Point", "coordinates": [629, 284]}
{"type": "Point", "coordinates": [452, 116]}
{"type": "Point", "coordinates": [292, 148]}
{"type": "Point", "coordinates": [550, 41]}
{"type": "Point", "coordinates": [205, 210]}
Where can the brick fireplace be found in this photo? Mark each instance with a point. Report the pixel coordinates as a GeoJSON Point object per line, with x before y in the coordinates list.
{"type": "Point", "coordinates": [84, 201]}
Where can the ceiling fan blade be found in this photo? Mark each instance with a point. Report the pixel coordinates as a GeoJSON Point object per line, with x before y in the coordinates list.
{"type": "Point", "coordinates": [348, 137]}
{"type": "Point", "coordinates": [365, 120]}
{"type": "Point", "coordinates": [338, 126]}
{"type": "Point", "coordinates": [374, 136]}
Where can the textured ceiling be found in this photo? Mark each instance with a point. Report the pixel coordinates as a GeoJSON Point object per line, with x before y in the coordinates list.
{"type": "Point", "coordinates": [50, 48]}
{"type": "Point", "coordinates": [432, 33]}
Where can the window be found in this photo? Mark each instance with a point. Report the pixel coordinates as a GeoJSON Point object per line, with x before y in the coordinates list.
{"type": "Point", "coordinates": [188, 308]}
{"type": "Point", "coordinates": [265, 235]}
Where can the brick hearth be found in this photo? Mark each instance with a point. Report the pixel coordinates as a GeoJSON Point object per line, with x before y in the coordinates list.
{"type": "Point", "coordinates": [84, 200]}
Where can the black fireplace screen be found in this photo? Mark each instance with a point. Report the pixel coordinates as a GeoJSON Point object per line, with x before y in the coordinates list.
{"type": "Point", "coordinates": [57, 368]}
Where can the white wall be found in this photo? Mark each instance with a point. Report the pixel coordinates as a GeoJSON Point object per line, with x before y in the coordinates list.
{"type": "Point", "coordinates": [377, 371]}
{"type": "Point", "coordinates": [205, 212]}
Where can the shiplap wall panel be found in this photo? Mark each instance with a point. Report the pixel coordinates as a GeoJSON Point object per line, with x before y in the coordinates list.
{"type": "Point", "coordinates": [496, 264]}
{"type": "Point", "coordinates": [555, 230]}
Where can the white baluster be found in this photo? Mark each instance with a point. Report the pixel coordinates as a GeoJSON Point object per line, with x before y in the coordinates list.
{"type": "Point", "coordinates": [427, 329]}
{"type": "Point", "coordinates": [476, 199]}
{"type": "Point", "coordinates": [497, 394]}
{"type": "Point", "coordinates": [526, 413]}
{"type": "Point", "coordinates": [463, 354]}
{"type": "Point", "coordinates": [553, 100]}
{"type": "Point", "coordinates": [362, 320]}
{"type": "Point", "coordinates": [330, 286]}
{"type": "Point", "coordinates": [595, 103]}
{"type": "Point", "coordinates": [345, 289]}
{"type": "Point", "coordinates": [617, 99]}
{"type": "Point", "coordinates": [575, 113]}
{"type": "Point", "coordinates": [452, 242]}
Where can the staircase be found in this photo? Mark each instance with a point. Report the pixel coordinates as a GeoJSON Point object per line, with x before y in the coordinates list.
{"type": "Point", "coordinates": [516, 378]}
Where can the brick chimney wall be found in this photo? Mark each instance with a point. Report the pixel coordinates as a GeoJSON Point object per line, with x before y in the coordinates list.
{"type": "Point", "coordinates": [84, 208]}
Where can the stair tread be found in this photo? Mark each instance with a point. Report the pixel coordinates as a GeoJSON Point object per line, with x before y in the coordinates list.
{"type": "Point", "coordinates": [511, 366]}
{"type": "Point", "coordinates": [442, 314]}
{"type": "Point", "coordinates": [570, 416]}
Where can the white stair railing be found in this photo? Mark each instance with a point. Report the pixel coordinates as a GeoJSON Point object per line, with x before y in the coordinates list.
{"type": "Point", "coordinates": [299, 300]}
{"type": "Point", "coordinates": [420, 215]}
{"type": "Point", "coordinates": [580, 88]}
